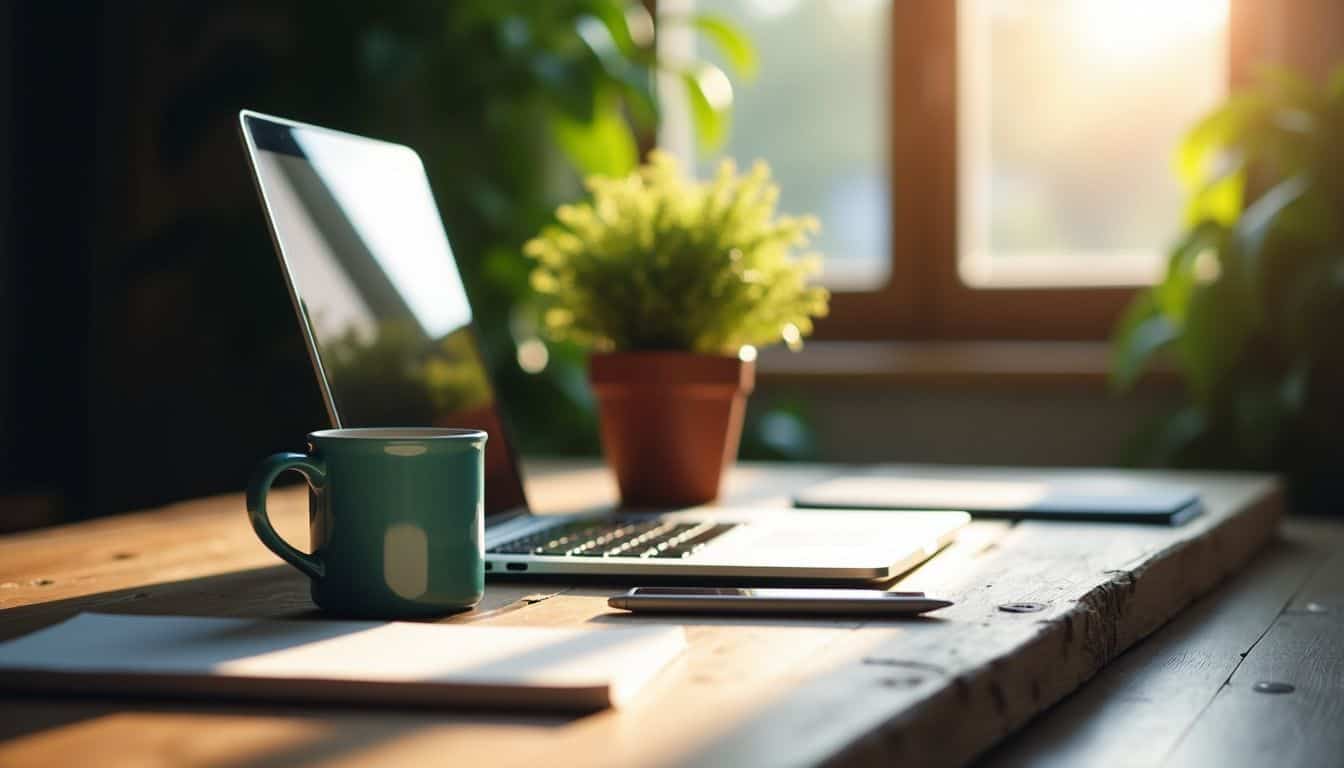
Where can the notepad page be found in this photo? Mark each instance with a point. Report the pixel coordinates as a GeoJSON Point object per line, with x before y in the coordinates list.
{"type": "Point", "coordinates": [615, 660]}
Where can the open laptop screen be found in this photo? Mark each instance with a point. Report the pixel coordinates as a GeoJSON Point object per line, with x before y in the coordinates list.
{"type": "Point", "coordinates": [375, 283]}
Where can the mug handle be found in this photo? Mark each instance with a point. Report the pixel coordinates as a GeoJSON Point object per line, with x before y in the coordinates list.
{"type": "Point", "coordinates": [316, 472]}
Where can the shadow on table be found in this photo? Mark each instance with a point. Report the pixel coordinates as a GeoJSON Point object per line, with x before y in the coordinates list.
{"type": "Point", "coordinates": [298, 736]}
{"type": "Point", "coordinates": [271, 592]}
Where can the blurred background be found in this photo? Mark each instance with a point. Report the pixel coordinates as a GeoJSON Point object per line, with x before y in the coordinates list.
{"type": "Point", "coordinates": [996, 181]}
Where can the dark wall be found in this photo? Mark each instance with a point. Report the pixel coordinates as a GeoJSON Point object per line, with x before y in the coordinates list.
{"type": "Point", "coordinates": [8, 329]}
{"type": "Point", "coordinates": [150, 353]}
{"type": "Point", "coordinates": [50, 153]}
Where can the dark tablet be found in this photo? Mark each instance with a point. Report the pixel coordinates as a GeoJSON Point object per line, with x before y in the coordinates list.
{"type": "Point", "coordinates": [1014, 494]}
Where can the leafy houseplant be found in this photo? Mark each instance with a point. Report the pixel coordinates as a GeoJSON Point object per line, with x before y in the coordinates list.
{"type": "Point", "coordinates": [1252, 304]}
{"type": "Point", "coordinates": [673, 283]}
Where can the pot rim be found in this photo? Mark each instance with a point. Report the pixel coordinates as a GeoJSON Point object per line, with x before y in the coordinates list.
{"type": "Point", "coordinates": [670, 370]}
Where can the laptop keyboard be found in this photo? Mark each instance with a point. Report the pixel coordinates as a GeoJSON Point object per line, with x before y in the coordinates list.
{"type": "Point", "coordinates": [616, 538]}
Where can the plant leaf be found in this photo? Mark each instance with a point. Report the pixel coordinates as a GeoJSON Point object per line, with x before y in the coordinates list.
{"type": "Point", "coordinates": [1141, 333]}
{"type": "Point", "coordinates": [1217, 325]}
{"type": "Point", "coordinates": [565, 86]}
{"type": "Point", "coordinates": [600, 39]}
{"type": "Point", "coordinates": [1161, 443]}
{"type": "Point", "coordinates": [1173, 293]}
{"type": "Point", "coordinates": [1258, 222]}
{"type": "Point", "coordinates": [603, 145]}
{"type": "Point", "coordinates": [1219, 200]}
{"type": "Point", "coordinates": [639, 99]}
{"type": "Point", "coordinates": [704, 87]}
{"type": "Point", "coordinates": [735, 46]}
{"type": "Point", "coordinates": [1218, 130]}
{"type": "Point", "coordinates": [612, 16]}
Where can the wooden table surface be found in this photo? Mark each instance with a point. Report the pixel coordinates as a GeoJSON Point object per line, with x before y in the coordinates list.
{"type": "Point", "coordinates": [936, 691]}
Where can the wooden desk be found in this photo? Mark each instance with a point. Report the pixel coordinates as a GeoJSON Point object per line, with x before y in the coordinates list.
{"type": "Point", "coordinates": [937, 691]}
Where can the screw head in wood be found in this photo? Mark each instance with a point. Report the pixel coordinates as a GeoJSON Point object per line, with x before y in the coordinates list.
{"type": "Point", "coordinates": [1271, 686]}
{"type": "Point", "coordinates": [1022, 607]}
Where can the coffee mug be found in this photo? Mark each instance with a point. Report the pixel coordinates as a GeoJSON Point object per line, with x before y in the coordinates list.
{"type": "Point", "coordinates": [397, 518]}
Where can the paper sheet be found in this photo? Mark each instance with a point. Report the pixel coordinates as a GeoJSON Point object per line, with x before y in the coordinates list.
{"type": "Point", "coordinates": [462, 663]}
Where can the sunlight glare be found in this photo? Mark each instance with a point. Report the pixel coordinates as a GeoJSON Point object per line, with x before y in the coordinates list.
{"type": "Point", "coordinates": [1135, 29]}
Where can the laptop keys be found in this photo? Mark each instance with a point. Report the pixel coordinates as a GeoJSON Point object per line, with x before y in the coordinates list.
{"type": "Point", "coordinates": [548, 541]}
{"type": "Point", "coordinates": [629, 541]}
{"type": "Point", "coordinates": [616, 538]}
{"type": "Point", "coordinates": [693, 542]}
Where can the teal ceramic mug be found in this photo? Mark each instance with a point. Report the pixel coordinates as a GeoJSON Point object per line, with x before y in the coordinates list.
{"type": "Point", "coordinates": [397, 517]}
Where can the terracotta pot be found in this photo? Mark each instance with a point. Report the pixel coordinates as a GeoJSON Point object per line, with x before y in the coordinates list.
{"type": "Point", "coordinates": [671, 422]}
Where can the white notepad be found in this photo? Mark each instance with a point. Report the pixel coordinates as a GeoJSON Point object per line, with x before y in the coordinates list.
{"type": "Point", "coordinates": [354, 662]}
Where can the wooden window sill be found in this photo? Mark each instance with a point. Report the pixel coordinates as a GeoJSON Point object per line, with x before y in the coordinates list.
{"type": "Point", "coordinates": [949, 364]}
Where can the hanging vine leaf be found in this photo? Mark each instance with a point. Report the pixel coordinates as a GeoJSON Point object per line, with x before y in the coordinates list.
{"type": "Point", "coordinates": [735, 46]}
{"type": "Point", "coordinates": [711, 98]}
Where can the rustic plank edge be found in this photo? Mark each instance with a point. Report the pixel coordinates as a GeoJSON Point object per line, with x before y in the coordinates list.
{"type": "Point", "coordinates": [934, 731]}
{"type": "Point", "coordinates": [1135, 710]}
{"type": "Point", "coordinates": [1303, 648]}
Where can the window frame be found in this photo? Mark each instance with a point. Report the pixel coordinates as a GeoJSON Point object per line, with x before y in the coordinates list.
{"type": "Point", "coordinates": [925, 297]}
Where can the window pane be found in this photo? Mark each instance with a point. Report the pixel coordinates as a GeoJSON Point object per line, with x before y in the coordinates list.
{"type": "Point", "coordinates": [817, 114]}
{"type": "Point", "coordinates": [1069, 112]}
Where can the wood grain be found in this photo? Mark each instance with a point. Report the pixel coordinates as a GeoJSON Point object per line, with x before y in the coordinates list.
{"type": "Point", "coordinates": [936, 691]}
{"type": "Point", "coordinates": [1303, 648]}
{"type": "Point", "coordinates": [1137, 709]}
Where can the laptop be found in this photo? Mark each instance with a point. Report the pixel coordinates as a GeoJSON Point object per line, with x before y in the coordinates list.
{"type": "Point", "coordinates": [390, 335]}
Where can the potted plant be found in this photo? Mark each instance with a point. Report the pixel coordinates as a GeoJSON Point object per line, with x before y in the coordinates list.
{"type": "Point", "coordinates": [1252, 302]}
{"type": "Point", "coordinates": [673, 284]}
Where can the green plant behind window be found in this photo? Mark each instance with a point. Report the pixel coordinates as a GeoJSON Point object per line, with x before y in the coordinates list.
{"type": "Point", "coordinates": [658, 261]}
{"type": "Point", "coordinates": [1251, 308]}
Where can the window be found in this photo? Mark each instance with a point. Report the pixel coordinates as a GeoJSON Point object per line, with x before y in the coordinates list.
{"type": "Point", "coordinates": [1068, 113]}
{"type": "Point", "coordinates": [982, 168]}
{"type": "Point", "coordinates": [817, 113]}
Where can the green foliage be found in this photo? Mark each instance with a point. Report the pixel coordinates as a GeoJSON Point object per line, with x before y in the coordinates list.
{"type": "Point", "coordinates": [1253, 296]}
{"type": "Point", "coordinates": [659, 261]}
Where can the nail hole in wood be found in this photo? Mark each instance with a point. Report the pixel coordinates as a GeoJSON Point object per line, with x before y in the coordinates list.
{"type": "Point", "coordinates": [878, 661]}
{"type": "Point", "coordinates": [1022, 607]}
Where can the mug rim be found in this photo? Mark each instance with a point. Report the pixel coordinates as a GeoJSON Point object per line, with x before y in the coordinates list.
{"type": "Point", "coordinates": [398, 433]}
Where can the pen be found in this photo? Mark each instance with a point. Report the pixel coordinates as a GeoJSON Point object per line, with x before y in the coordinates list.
{"type": "Point", "coordinates": [742, 600]}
